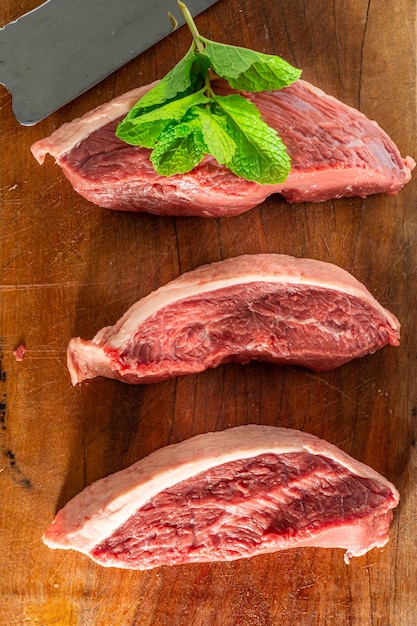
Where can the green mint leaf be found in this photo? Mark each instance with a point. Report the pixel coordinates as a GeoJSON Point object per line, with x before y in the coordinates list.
{"type": "Point", "coordinates": [219, 143]}
{"type": "Point", "coordinates": [249, 70]}
{"type": "Point", "coordinates": [179, 149]}
{"type": "Point", "coordinates": [260, 154]}
{"type": "Point", "coordinates": [177, 81]}
{"type": "Point", "coordinates": [145, 129]}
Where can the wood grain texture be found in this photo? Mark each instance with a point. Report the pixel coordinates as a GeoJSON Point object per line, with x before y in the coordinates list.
{"type": "Point", "coordinates": [69, 268]}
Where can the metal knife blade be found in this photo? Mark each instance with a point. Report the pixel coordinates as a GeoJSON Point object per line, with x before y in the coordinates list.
{"type": "Point", "coordinates": [54, 53]}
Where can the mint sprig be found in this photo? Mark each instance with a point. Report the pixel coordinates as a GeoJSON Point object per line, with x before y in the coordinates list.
{"type": "Point", "coordinates": [181, 119]}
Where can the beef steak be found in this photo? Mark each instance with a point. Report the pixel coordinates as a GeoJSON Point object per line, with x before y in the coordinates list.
{"type": "Point", "coordinates": [335, 152]}
{"type": "Point", "coordinates": [227, 495]}
{"type": "Point", "coordinates": [269, 307]}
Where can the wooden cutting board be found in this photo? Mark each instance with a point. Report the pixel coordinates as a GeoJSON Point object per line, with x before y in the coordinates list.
{"type": "Point", "coordinates": [68, 268]}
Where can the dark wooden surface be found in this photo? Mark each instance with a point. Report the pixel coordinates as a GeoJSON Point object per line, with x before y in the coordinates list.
{"type": "Point", "coordinates": [69, 268]}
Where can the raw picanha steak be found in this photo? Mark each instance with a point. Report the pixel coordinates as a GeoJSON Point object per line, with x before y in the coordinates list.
{"type": "Point", "coordinates": [335, 151]}
{"type": "Point", "coordinates": [269, 307]}
{"type": "Point", "coordinates": [228, 495]}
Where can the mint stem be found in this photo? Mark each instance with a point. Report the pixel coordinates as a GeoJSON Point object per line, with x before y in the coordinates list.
{"type": "Point", "coordinates": [208, 89]}
{"type": "Point", "coordinates": [191, 25]}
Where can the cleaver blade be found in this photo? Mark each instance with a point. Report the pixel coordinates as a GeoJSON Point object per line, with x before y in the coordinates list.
{"type": "Point", "coordinates": [54, 53]}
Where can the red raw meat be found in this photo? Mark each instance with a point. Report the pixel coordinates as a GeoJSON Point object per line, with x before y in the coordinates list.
{"type": "Point", "coordinates": [19, 353]}
{"type": "Point", "coordinates": [228, 495]}
{"type": "Point", "coordinates": [269, 307]}
{"type": "Point", "coordinates": [335, 150]}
